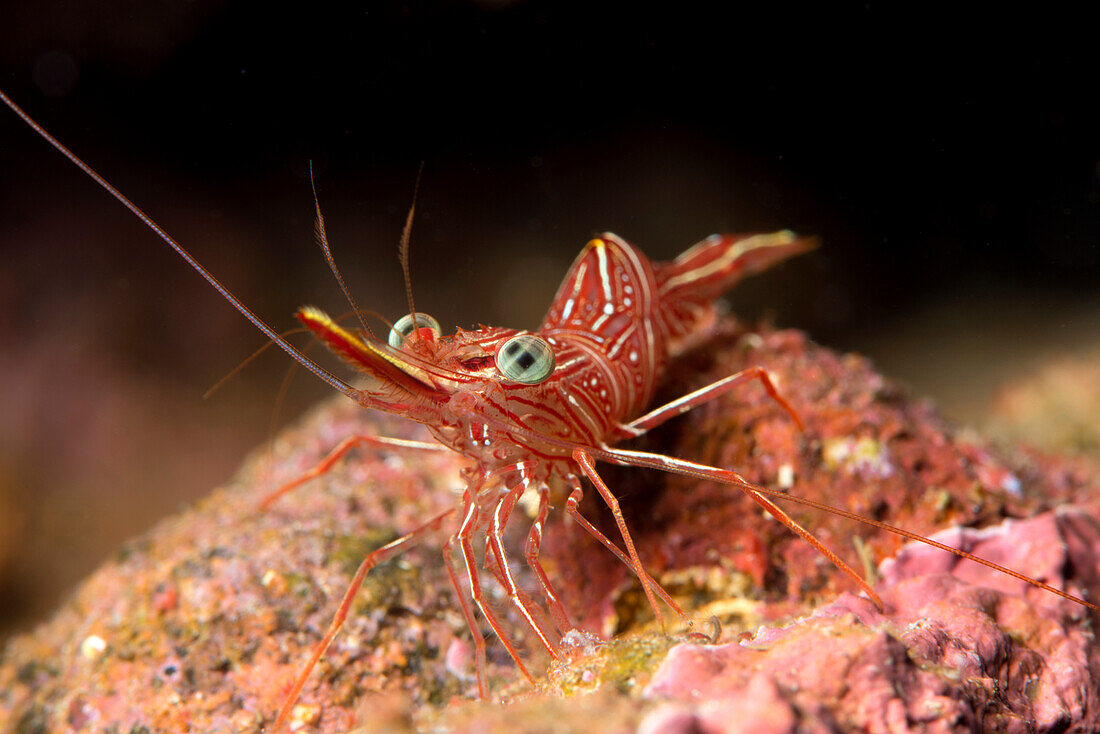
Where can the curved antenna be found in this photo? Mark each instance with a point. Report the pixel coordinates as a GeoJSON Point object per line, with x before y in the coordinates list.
{"type": "Point", "coordinates": [268, 344]}
{"type": "Point", "coordinates": [403, 248]}
{"type": "Point", "coordinates": [270, 333]}
{"type": "Point", "coordinates": [248, 360]}
{"type": "Point", "coordinates": [322, 240]}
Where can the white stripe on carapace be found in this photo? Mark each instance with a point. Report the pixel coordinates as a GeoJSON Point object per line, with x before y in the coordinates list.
{"type": "Point", "coordinates": [605, 278]}
{"type": "Point", "coordinates": [585, 418]}
{"type": "Point", "coordinates": [593, 357]}
{"type": "Point", "coordinates": [578, 283]}
{"type": "Point", "coordinates": [616, 346]}
{"type": "Point", "coordinates": [645, 303]}
{"type": "Point", "coordinates": [594, 410]}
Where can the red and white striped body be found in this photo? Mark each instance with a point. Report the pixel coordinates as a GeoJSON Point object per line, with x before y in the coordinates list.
{"type": "Point", "coordinates": [613, 325]}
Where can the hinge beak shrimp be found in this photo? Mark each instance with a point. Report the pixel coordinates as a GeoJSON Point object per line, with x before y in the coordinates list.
{"type": "Point", "coordinates": [525, 407]}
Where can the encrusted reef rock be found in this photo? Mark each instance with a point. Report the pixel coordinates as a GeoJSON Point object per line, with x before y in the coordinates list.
{"type": "Point", "coordinates": [949, 654]}
{"type": "Point", "coordinates": [201, 624]}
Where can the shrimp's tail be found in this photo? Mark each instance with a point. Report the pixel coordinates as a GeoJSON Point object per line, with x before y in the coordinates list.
{"type": "Point", "coordinates": [689, 285]}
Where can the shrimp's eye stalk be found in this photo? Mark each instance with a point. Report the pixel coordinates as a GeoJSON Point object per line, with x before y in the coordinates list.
{"type": "Point", "coordinates": [526, 359]}
{"type": "Point", "coordinates": [403, 329]}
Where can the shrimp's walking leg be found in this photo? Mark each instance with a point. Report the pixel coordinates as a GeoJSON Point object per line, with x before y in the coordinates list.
{"type": "Point", "coordinates": [325, 464]}
{"type": "Point", "coordinates": [528, 606]}
{"type": "Point", "coordinates": [572, 506]}
{"type": "Point", "coordinates": [531, 553]}
{"type": "Point", "coordinates": [710, 392]}
{"type": "Point", "coordinates": [495, 555]}
{"type": "Point", "coordinates": [705, 394]}
{"type": "Point", "coordinates": [386, 552]}
{"type": "Point", "coordinates": [821, 548]}
{"type": "Point", "coordinates": [725, 476]}
{"type": "Point", "coordinates": [469, 525]}
{"type": "Point", "coordinates": [584, 459]}
{"type": "Point", "coordinates": [494, 544]}
{"type": "Point", "coordinates": [469, 511]}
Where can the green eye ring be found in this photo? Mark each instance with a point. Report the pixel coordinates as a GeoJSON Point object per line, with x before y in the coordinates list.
{"type": "Point", "coordinates": [526, 359]}
{"type": "Point", "coordinates": [404, 327]}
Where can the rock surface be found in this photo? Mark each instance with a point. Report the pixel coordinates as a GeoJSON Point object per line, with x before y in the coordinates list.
{"type": "Point", "coordinates": [201, 624]}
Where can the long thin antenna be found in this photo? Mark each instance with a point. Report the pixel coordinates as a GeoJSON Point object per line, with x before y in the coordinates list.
{"type": "Point", "coordinates": [403, 248]}
{"type": "Point", "coordinates": [270, 333]}
{"type": "Point", "coordinates": [248, 360]}
{"type": "Point", "coordinates": [322, 240]}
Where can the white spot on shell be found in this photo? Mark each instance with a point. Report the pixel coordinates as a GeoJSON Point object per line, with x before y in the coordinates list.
{"type": "Point", "coordinates": [92, 647]}
{"type": "Point", "coordinates": [303, 715]}
{"type": "Point", "coordinates": [785, 477]}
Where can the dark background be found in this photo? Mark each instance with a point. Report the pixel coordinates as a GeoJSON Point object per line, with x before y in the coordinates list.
{"type": "Point", "coordinates": [949, 164]}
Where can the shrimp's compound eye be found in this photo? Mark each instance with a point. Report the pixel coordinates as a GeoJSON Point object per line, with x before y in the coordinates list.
{"type": "Point", "coordinates": [404, 327]}
{"type": "Point", "coordinates": [525, 358]}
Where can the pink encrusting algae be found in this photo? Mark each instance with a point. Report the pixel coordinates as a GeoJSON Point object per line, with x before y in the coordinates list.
{"type": "Point", "coordinates": [201, 624]}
